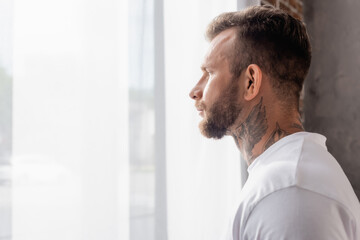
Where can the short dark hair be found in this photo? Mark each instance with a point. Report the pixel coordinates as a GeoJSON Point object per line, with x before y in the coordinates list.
{"type": "Point", "coordinates": [275, 41]}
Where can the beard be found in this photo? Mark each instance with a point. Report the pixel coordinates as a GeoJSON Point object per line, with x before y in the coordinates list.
{"type": "Point", "coordinates": [222, 114]}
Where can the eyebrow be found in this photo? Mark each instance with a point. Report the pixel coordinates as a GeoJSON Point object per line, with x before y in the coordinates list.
{"type": "Point", "coordinates": [205, 68]}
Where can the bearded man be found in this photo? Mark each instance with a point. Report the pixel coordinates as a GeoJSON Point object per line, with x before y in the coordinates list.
{"type": "Point", "coordinates": [252, 77]}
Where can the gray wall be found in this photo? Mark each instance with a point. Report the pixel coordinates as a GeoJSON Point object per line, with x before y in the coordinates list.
{"type": "Point", "coordinates": [332, 88]}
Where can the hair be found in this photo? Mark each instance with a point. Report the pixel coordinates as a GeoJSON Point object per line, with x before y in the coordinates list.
{"type": "Point", "coordinates": [272, 39]}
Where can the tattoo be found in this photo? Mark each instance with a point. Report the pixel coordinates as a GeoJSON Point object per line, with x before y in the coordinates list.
{"type": "Point", "coordinates": [252, 129]}
{"type": "Point", "coordinates": [236, 140]}
{"type": "Point", "coordinates": [277, 134]}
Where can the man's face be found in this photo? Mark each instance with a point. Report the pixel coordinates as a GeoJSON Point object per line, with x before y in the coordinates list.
{"type": "Point", "coordinates": [216, 94]}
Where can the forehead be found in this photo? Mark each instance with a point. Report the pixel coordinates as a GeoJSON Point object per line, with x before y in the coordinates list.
{"type": "Point", "coordinates": [221, 46]}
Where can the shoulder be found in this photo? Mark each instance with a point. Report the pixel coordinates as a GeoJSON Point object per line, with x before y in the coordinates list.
{"type": "Point", "coordinates": [297, 213]}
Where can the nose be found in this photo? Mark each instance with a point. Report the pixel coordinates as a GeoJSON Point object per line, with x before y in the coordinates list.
{"type": "Point", "coordinates": [196, 93]}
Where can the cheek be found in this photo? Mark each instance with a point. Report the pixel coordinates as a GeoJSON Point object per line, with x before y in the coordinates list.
{"type": "Point", "coordinates": [206, 93]}
{"type": "Point", "coordinates": [212, 90]}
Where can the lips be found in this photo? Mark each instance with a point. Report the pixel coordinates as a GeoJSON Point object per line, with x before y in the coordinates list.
{"type": "Point", "coordinates": [200, 109]}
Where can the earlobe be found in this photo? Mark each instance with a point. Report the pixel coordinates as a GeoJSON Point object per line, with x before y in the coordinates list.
{"type": "Point", "coordinates": [253, 76]}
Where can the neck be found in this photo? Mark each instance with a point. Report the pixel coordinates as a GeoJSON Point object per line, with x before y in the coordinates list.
{"type": "Point", "coordinates": [262, 128]}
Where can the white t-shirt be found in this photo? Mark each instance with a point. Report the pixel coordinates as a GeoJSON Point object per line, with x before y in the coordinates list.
{"type": "Point", "coordinates": [296, 190]}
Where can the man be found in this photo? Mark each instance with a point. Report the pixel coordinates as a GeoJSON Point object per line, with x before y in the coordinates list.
{"type": "Point", "coordinates": [252, 76]}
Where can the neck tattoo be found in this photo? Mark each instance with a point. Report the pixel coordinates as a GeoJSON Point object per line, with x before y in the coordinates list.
{"type": "Point", "coordinates": [250, 132]}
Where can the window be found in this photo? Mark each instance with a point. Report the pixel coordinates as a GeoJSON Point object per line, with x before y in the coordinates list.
{"type": "Point", "coordinates": [103, 137]}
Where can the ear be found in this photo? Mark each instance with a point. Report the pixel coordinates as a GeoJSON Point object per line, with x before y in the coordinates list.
{"type": "Point", "coordinates": [253, 78]}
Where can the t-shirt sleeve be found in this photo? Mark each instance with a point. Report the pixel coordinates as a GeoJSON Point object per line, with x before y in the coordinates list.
{"type": "Point", "coordinates": [298, 214]}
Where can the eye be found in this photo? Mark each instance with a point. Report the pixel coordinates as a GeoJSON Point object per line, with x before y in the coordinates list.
{"type": "Point", "coordinates": [206, 73]}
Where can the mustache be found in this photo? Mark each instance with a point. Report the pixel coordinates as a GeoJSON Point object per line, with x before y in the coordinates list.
{"type": "Point", "coordinates": [200, 106]}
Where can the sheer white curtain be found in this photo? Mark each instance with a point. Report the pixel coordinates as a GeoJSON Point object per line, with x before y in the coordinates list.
{"type": "Point", "coordinates": [203, 176]}
{"type": "Point", "coordinates": [70, 176]}
{"type": "Point", "coordinates": [6, 17]}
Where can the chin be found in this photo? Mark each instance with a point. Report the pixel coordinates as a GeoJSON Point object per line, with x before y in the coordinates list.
{"type": "Point", "coordinates": [210, 130]}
